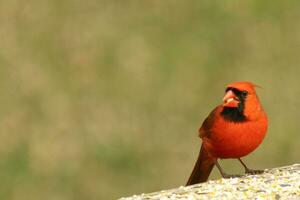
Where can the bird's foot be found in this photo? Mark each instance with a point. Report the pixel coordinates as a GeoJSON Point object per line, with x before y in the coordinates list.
{"type": "Point", "coordinates": [231, 175]}
{"type": "Point", "coordinates": [254, 171]}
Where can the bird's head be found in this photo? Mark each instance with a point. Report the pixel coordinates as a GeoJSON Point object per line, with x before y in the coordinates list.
{"type": "Point", "coordinates": [238, 97]}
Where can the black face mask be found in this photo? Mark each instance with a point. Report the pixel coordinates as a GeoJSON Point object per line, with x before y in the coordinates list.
{"type": "Point", "coordinates": [236, 114]}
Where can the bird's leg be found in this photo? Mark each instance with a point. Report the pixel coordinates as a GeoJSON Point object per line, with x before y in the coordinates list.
{"type": "Point", "coordinates": [225, 175]}
{"type": "Point", "coordinates": [250, 171]}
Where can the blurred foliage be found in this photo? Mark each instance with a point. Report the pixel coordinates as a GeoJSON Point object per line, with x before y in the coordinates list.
{"type": "Point", "coordinates": [103, 99]}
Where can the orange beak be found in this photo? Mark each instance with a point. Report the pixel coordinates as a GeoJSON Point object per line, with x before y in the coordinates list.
{"type": "Point", "coordinates": [230, 99]}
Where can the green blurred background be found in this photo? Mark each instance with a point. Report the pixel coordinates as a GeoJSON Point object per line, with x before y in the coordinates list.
{"type": "Point", "coordinates": [103, 99]}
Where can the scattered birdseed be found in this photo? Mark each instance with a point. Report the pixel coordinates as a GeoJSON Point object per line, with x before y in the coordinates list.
{"type": "Point", "coordinates": [279, 183]}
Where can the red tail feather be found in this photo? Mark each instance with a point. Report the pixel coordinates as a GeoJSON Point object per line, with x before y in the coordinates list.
{"type": "Point", "coordinates": [202, 169]}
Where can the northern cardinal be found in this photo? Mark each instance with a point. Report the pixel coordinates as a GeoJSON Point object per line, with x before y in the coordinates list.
{"type": "Point", "coordinates": [232, 130]}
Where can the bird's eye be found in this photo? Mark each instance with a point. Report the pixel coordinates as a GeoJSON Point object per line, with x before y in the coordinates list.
{"type": "Point", "coordinates": [244, 93]}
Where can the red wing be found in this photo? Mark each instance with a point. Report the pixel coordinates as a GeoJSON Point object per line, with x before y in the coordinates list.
{"type": "Point", "coordinates": [205, 129]}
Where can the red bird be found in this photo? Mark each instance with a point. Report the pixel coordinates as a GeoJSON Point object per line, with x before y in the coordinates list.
{"type": "Point", "coordinates": [232, 130]}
